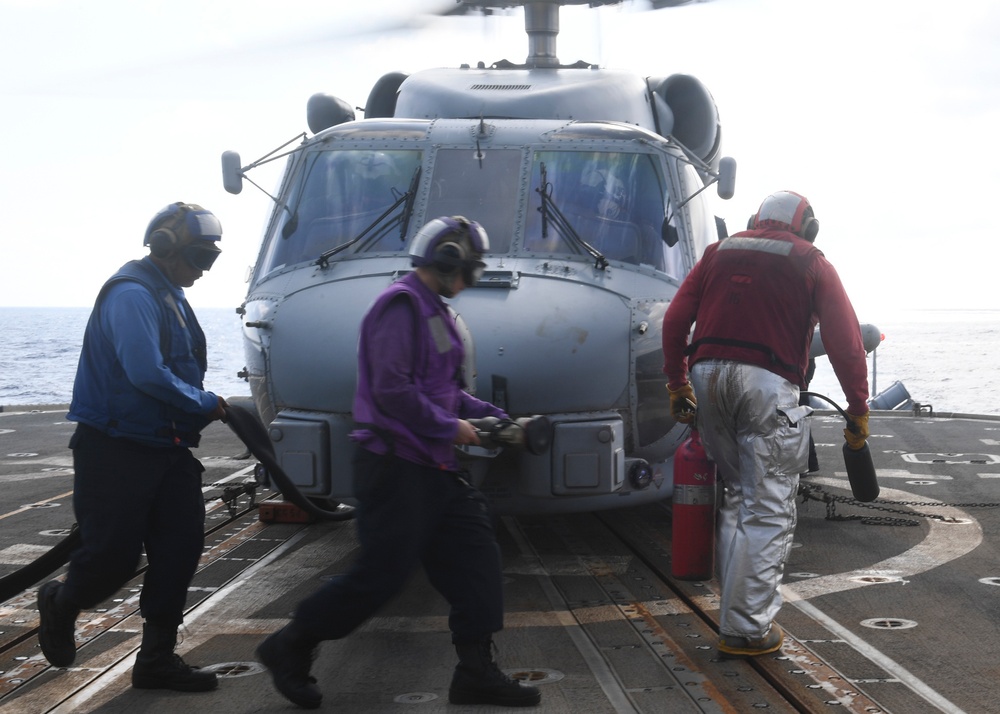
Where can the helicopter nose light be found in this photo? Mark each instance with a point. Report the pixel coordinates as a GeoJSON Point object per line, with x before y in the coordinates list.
{"type": "Point", "coordinates": [640, 475]}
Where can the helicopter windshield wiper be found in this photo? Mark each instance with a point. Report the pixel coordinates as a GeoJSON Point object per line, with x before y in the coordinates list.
{"type": "Point", "coordinates": [551, 213]}
{"type": "Point", "coordinates": [324, 259]}
{"type": "Point", "coordinates": [402, 220]}
{"type": "Point", "coordinates": [292, 225]}
{"type": "Point", "coordinates": [411, 194]}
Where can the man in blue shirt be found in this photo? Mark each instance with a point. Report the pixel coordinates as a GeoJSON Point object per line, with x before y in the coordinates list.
{"type": "Point", "coordinates": [140, 406]}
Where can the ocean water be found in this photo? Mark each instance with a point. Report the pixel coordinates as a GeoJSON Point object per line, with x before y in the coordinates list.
{"type": "Point", "coordinates": [944, 358]}
{"type": "Point", "coordinates": [40, 348]}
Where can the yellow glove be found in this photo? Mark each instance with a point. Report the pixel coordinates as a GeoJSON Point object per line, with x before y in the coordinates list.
{"type": "Point", "coordinates": [682, 403]}
{"type": "Point", "coordinates": [856, 432]}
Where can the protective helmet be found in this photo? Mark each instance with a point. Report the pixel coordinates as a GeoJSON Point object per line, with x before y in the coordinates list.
{"type": "Point", "coordinates": [449, 246]}
{"type": "Point", "coordinates": [187, 229]}
{"type": "Point", "coordinates": [787, 210]}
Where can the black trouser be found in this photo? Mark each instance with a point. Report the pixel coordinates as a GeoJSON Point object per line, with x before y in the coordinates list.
{"type": "Point", "coordinates": [410, 514]}
{"type": "Point", "coordinates": [126, 497]}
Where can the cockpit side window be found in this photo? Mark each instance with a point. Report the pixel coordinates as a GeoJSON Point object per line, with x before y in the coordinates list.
{"type": "Point", "coordinates": [701, 219]}
{"type": "Point", "coordinates": [615, 201]}
{"type": "Point", "coordinates": [336, 196]}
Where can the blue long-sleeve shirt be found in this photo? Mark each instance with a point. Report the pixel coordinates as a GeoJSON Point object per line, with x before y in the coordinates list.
{"type": "Point", "coordinates": [143, 362]}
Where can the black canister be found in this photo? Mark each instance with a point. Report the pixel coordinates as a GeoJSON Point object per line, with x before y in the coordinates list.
{"type": "Point", "coordinates": [861, 472]}
{"type": "Point", "coordinates": [858, 462]}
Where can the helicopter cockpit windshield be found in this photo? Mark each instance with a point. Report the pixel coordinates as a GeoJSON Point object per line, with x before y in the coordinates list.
{"type": "Point", "coordinates": [615, 202]}
{"type": "Point", "coordinates": [480, 185]}
{"type": "Point", "coordinates": [603, 203]}
{"type": "Point", "coordinates": [341, 195]}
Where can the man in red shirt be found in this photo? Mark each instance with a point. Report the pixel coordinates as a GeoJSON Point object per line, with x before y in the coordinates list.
{"type": "Point", "coordinates": [755, 299]}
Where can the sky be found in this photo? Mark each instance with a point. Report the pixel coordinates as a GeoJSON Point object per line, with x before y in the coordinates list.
{"type": "Point", "coordinates": [884, 114]}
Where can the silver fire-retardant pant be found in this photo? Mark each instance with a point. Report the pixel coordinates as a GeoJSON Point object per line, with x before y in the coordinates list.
{"type": "Point", "coordinates": [754, 429]}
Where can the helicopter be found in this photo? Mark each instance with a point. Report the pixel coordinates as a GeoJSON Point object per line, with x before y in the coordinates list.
{"type": "Point", "coordinates": [591, 184]}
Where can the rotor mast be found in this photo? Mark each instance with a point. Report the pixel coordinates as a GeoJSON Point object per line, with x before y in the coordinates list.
{"type": "Point", "coordinates": [541, 23]}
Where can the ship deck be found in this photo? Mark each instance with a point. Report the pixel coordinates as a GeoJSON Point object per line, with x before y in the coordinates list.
{"type": "Point", "coordinates": [889, 607]}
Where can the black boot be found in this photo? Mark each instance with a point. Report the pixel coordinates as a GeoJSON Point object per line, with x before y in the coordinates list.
{"type": "Point", "coordinates": [157, 667]}
{"type": "Point", "coordinates": [478, 680]}
{"type": "Point", "coordinates": [56, 633]}
{"type": "Point", "coordinates": [289, 657]}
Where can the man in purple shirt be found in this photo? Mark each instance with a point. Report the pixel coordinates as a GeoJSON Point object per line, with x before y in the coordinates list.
{"type": "Point", "coordinates": [414, 506]}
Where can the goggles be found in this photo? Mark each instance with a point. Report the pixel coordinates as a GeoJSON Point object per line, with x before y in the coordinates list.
{"type": "Point", "coordinates": [201, 254]}
{"type": "Point", "coordinates": [472, 271]}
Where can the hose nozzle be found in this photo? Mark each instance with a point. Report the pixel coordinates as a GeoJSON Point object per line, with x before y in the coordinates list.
{"type": "Point", "coordinates": [531, 433]}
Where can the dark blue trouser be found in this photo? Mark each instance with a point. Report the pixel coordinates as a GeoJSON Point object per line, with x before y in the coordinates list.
{"type": "Point", "coordinates": [126, 497]}
{"type": "Point", "coordinates": [410, 514]}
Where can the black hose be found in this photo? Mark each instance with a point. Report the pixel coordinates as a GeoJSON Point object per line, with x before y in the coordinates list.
{"type": "Point", "coordinates": [248, 428]}
{"type": "Point", "coordinates": [829, 401]}
{"type": "Point", "coordinates": [851, 426]}
{"type": "Point", "coordinates": [20, 580]}
{"type": "Point", "coordinates": [251, 432]}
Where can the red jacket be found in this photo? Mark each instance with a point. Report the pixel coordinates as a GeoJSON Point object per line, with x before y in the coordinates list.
{"type": "Point", "coordinates": [756, 298]}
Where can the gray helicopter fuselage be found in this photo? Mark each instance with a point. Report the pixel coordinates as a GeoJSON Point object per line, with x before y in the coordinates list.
{"type": "Point", "coordinates": [566, 320]}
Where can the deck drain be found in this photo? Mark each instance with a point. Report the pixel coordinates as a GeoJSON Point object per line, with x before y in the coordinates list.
{"type": "Point", "coordinates": [876, 579]}
{"type": "Point", "coordinates": [804, 575]}
{"type": "Point", "coordinates": [889, 623]}
{"type": "Point", "coordinates": [41, 505]}
{"type": "Point", "coordinates": [535, 676]}
{"type": "Point", "coordinates": [231, 670]}
{"type": "Point", "coordinates": [415, 698]}
{"type": "Point", "coordinates": [58, 532]}
{"type": "Point", "coordinates": [22, 455]}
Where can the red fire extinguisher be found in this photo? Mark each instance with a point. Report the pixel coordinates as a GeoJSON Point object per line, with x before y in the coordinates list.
{"type": "Point", "coordinates": [693, 529]}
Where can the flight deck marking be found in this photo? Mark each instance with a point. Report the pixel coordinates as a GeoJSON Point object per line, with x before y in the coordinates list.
{"type": "Point", "coordinates": [22, 554]}
{"type": "Point", "coordinates": [30, 506]}
{"type": "Point", "coordinates": [594, 659]}
{"type": "Point", "coordinates": [940, 546]}
{"type": "Point", "coordinates": [900, 473]}
{"type": "Point", "coordinates": [951, 459]}
{"type": "Point", "coordinates": [118, 671]}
